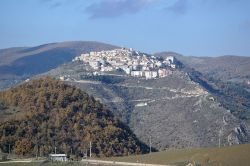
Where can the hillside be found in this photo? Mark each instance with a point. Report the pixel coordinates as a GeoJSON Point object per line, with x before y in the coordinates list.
{"type": "Point", "coordinates": [45, 114]}
{"type": "Point", "coordinates": [235, 155]}
{"type": "Point", "coordinates": [174, 111]}
{"type": "Point", "coordinates": [17, 64]}
{"type": "Point", "coordinates": [225, 68]}
{"type": "Point", "coordinates": [225, 77]}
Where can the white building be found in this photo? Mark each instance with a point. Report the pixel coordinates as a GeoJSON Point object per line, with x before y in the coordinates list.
{"type": "Point", "coordinates": [154, 74]}
{"type": "Point", "coordinates": [151, 74]}
{"type": "Point", "coordinates": [58, 157]}
{"type": "Point", "coordinates": [126, 69]}
{"type": "Point", "coordinates": [167, 62]}
{"type": "Point", "coordinates": [95, 64]}
{"type": "Point", "coordinates": [137, 73]}
{"type": "Point", "coordinates": [107, 68]}
{"type": "Point", "coordinates": [170, 58]}
{"type": "Point", "coordinates": [62, 78]}
{"type": "Point", "coordinates": [164, 72]}
{"type": "Point", "coordinates": [133, 63]}
{"type": "Point", "coordinates": [92, 53]}
{"type": "Point", "coordinates": [173, 66]}
{"type": "Point", "coordinates": [158, 64]}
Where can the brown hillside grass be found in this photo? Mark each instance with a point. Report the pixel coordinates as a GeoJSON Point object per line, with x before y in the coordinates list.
{"type": "Point", "coordinates": [230, 156]}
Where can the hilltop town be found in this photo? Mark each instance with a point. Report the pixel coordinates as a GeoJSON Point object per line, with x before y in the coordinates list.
{"type": "Point", "coordinates": [132, 62]}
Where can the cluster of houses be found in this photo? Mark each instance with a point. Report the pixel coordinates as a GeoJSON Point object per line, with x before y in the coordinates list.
{"type": "Point", "coordinates": [131, 62]}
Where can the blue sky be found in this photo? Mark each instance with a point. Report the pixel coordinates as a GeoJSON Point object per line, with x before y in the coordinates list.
{"type": "Point", "coordinates": [189, 27]}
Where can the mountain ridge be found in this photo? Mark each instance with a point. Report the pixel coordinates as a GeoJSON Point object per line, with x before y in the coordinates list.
{"type": "Point", "coordinates": [45, 47]}
{"type": "Point", "coordinates": [222, 67]}
{"type": "Point", "coordinates": [18, 64]}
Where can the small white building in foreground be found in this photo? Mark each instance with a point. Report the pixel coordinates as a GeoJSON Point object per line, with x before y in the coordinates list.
{"type": "Point", "coordinates": [58, 157]}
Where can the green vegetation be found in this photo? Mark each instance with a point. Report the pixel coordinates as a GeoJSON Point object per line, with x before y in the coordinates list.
{"type": "Point", "coordinates": [53, 114]}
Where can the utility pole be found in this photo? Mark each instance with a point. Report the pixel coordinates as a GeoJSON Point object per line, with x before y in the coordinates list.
{"type": "Point", "coordinates": [86, 153]}
{"type": "Point", "coordinates": [55, 145]}
{"type": "Point", "coordinates": [219, 137]}
{"type": "Point", "coordinates": [9, 149]}
{"type": "Point", "coordinates": [36, 148]}
{"type": "Point", "coordinates": [219, 141]}
{"type": "Point", "coordinates": [150, 144]}
{"type": "Point", "coordinates": [37, 152]}
{"type": "Point", "coordinates": [90, 147]}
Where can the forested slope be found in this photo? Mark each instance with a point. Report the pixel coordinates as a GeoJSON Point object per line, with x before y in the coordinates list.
{"type": "Point", "coordinates": [45, 113]}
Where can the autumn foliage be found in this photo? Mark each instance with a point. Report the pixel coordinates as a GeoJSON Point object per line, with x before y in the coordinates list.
{"type": "Point", "coordinates": [53, 114]}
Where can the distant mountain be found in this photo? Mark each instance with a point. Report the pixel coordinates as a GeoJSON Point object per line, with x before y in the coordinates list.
{"type": "Point", "coordinates": [226, 68]}
{"type": "Point", "coordinates": [174, 111]}
{"type": "Point", "coordinates": [20, 63]}
{"type": "Point", "coordinates": [44, 114]}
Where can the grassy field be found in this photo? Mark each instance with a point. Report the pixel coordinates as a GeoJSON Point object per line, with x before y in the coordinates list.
{"type": "Point", "coordinates": [230, 156]}
{"type": "Point", "coordinates": [238, 155]}
{"type": "Point", "coordinates": [46, 163]}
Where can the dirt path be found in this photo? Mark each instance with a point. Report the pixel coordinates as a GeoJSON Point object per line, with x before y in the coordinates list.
{"type": "Point", "coordinates": [114, 163]}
